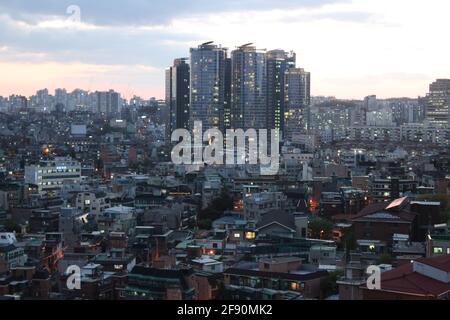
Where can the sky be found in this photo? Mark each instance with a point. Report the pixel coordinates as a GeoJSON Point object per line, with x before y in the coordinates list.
{"type": "Point", "coordinates": [353, 48]}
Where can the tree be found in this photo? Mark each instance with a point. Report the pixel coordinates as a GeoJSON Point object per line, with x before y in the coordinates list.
{"type": "Point", "coordinates": [224, 202]}
{"type": "Point", "coordinates": [321, 229]}
{"type": "Point", "coordinates": [204, 224]}
{"type": "Point", "coordinates": [222, 293]}
{"type": "Point", "coordinates": [215, 210]}
{"type": "Point", "coordinates": [11, 226]}
{"type": "Point", "coordinates": [329, 285]}
{"type": "Point", "coordinates": [443, 199]}
{"type": "Point", "coordinates": [385, 258]}
{"type": "Point", "coordinates": [348, 241]}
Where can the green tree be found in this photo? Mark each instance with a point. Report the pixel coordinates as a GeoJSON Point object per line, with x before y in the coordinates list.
{"type": "Point", "coordinates": [348, 241]}
{"type": "Point", "coordinates": [204, 224]}
{"type": "Point", "coordinates": [222, 293]}
{"type": "Point", "coordinates": [215, 210]}
{"type": "Point", "coordinates": [329, 286]}
{"type": "Point", "coordinates": [321, 229]}
{"type": "Point", "coordinates": [11, 226]}
{"type": "Point", "coordinates": [385, 258]}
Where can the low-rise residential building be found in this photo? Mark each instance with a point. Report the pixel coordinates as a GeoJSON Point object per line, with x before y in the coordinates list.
{"type": "Point", "coordinates": [438, 240]}
{"type": "Point", "coordinates": [92, 202]}
{"type": "Point", "coordinates": [11, 254]}
{"type": "Point", "coordinates": [146, 283]}
{"type": "Point", "coordinates": [207, 264]}
{"type": "Point", "coordinates": [255, 284]}
{"type": "Point", "coordinates": [376, 224]}
{"type": "Point", "coordinates": [257, 205]}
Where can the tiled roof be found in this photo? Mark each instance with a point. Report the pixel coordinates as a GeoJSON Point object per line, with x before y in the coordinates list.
{"type": "Point", "coordinates": [279, 216]}
{"type": "Point", "coordinates": [384, 211]}
{"type": "Point", "coordinates": [440, 262]}
{"type": "Point", "coordinates": [403, 279]}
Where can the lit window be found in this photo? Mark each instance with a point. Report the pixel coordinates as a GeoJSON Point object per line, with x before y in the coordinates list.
{"type": "Point", "coordinates": [438, 250]}
{"type": "Point", "coordinates": [237, 235]}
{"type": "Point", "coordinates": [250, 235]}
{"type": "Point", "coordinates": [294, 286]}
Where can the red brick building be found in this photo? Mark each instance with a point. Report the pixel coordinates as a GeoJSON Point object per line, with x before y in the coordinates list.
{"type": "Point", "coordinates": [380, 221]}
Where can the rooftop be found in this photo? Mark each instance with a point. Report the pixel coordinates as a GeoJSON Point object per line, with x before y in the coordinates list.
{"type": "Point", "coordinates": [282, 260]}
{"type": "Point", "coordinates": [276, 275]}
{"type": "Point", "coordinates": [405, 279]}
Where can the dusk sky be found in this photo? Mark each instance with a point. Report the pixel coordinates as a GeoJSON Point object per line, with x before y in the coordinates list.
{"type": "Point", "coordinates": [391, 48]}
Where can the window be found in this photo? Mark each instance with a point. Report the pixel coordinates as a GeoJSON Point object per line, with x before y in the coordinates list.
{"type": "Point", "coordinates": [250, 235]}
{"type": "Point", "coordinates": [237, 235]}
{"type": "Point", "coordinates": [294, 286]}
{"type": "Point", "coordinates": [438, 250]}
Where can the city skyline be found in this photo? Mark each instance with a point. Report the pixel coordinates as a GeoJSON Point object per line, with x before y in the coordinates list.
{"type": "Point", "coordinates": [353, 48]}
{"type": "Point", "coordinates": [242, 153]}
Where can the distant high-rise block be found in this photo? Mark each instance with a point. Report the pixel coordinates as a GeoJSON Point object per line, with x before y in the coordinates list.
{"type": "Point", "coordinates": [297, 101]}
{"type": "Point", "coordinates": [108, 102]}
{"type": "Point", "coordinates": [227, 102]}
{"type": "Point", "coordinates": [438, 99]}
{"type": "Point", "coordinates": [177, 96]}
{"type": "Point", "coordinates": [208, 91]}
{"type": "Point", "coordinates": [371, 103]}
{"type": "Point", "coordinates": [278, 61]}
{"type": "Point", "coordinates": [248, 88]}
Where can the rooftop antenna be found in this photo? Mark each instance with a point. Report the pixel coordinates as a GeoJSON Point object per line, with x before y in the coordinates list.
{"type": "Point", "coordinates": [207, 43]}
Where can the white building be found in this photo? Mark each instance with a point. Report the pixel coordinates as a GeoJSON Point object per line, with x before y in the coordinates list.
{"type": "Point", "coordinates": [117, 219]}
{"type": "Point", "coordinates": [7, 238]}
{"type": "Point", "coordinates": [11, 254]}
{"type": "Point", "coordinates": [374, 133]}
{"type": "Point", "coordinates": [413, 132]}
{"type": "Point", "coordinates": [207, 264]}
{"type": "Point", "coordinates": [424, 132]}
{"type": "Point", "coordinates": [78, 130]}
{"type": "Point", "coordinates": [258, 204]}
{"type": "Point", "coordinates": [51, 175]}
{"type": "Point", "coordinates": [212, 186]}
{"type": "Point", "coordinates": [381, 117]}
{"type": "Point", "coordinates": [92, 202]}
